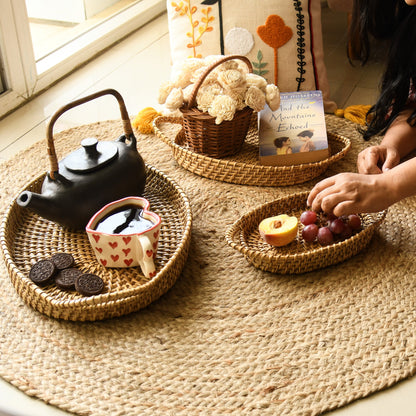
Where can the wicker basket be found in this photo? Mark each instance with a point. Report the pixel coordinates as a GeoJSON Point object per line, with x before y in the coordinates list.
{"type": "Point", "coordinates": [298, 256]}
{"type": "Point", "coordinates": [202, 135]}
{"type": "Point", "coordinates": [244, 168]}
{"type": "Point", "coordinates": [26, 238]}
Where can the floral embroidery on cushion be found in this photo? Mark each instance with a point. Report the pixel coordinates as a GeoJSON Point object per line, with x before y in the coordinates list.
{"type": "Point", "coordinates": [197, 28]}
{"type": "Point", "coordinates": [258, 67]}
{"type": "Point", "coordinates": [275, 34]}
{"type": "Point", "coordinates": [219, 2]}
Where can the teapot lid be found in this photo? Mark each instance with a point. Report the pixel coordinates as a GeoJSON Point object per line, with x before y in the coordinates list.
{"type": "Point", "coordinates": [91, 156]}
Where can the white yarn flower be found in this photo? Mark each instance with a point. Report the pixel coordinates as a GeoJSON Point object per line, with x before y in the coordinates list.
{"type": "Point", "coordinates": [206, 95]}
{"type": "Point", "coordinates": [164, 90]}
{"type": "Point", "coordinates": [273, 96]}
{"type": "Point", "coordinates": [256, 81]}
{"type": "Point", "coordinates": [227, 65]}
{"type": "Point", "coordinates": [210, 59]}
{"type": "Point", "coordinates": [187, 92]}
{"type": "Point", "coordinates": [255, 98]}
{"type": "Point", "coordinates": [222, 108]}
{"type": "Point", "coordinates": [238, 95]}
{"type": "Point", "coordinates": [227, 88]}
{"type": "Point", "coordinates": [182, 75]}
{"type": "Point", "coordinates": [231, 78]}
{"type": "Point", "coordinates": [197, 74]}
{"type": "Point", "coordinates": [175, 99]}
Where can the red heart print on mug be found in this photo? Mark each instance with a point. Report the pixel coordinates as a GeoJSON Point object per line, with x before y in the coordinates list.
{"type": "Point", "coordinates": [134, 245]}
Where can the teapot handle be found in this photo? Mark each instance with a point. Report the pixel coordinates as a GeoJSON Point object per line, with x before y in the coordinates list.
{"type": "Point", "coordinates": [128, 131]}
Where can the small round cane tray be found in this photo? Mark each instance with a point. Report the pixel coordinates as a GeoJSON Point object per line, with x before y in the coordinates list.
{"type": "Point", "coordinates": [244, 167]}
{"type": "Point", "coordinates": [298, 256]}
{"type": "Point", "coordinates": [26, 238]}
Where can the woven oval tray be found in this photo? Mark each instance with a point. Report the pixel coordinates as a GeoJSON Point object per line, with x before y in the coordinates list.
{"type": "Point", "coordinates": [26, 238]}
{"type": "Point", "coordinates": [298, 256]}
{"type": "Point", "coordinates": [244, 168]}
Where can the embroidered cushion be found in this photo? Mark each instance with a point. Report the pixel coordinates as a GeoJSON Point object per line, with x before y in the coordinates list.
{"type": "Point", "coordinates": [282, 38]}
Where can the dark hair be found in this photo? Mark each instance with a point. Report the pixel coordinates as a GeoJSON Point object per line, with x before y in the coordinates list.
{"type": "Point", "coordinates": [278, 142]}
{"type": "Point", "coordinates": [306, 133]}
{"type": "Point", "coordinates": [395, 21]}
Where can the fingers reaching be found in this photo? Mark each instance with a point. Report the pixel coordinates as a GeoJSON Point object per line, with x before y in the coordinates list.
{"type": "Point", "coordinates": [370, 161]}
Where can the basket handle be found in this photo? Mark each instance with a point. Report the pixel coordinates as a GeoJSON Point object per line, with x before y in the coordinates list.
{"type": "Point", "coordinates": [128, 131]}
{"type": "Point", "coordinates": [220, 61]}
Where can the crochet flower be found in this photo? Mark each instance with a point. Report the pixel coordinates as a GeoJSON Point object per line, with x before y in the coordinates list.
{"type": "Point", "coordinates": [231, 78]}
{"type": "Point", "coordinates": [238, 95]}
{"type": "Point", "coordinates": [182, 76]}
{"type": "Point", "coordinates": [254, 80]}
{"type": "Point", "coordinates": [206, 95]}
{"type": "Point", "coordinates": [226, 88]}
{"type": "Point", "coordinates": [164, 90]}
{"type": "Point", "coordinates": [273, 96]}
{"type": "Point", "coordinates": [255, 99]}
{"type": "Point", "coordinates": [187, 93]}
{"type": "Point", "coordinates": [175, 99]}
{"type": "Point", "coordinates": [197, 74]}
{"type": "Point", "coordinates": [211, 59]}
{"type": "Point", "coordinates": [222, 108]}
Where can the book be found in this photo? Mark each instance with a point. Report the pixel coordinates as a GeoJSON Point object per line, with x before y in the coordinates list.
{"type": "Point", "coordinates": [296, 132]}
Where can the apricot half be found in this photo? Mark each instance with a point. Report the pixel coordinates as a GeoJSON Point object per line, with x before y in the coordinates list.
{"type": "Point", "coordinates": [280, 230]}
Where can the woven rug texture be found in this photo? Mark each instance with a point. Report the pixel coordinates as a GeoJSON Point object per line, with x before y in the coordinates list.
{"type": "Point", "coordinates": [227, 338]}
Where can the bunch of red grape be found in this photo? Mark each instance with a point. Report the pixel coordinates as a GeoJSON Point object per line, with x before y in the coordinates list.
{"type": "Point", "coordinates": [328, 228]}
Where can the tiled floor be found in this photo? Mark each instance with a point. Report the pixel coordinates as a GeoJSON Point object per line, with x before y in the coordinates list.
{"type": "Point", "coordinates": [136, 67]}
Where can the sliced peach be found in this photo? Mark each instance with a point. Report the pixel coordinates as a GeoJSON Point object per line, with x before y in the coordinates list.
{"type": "Point", "coordinates": [280, 230]}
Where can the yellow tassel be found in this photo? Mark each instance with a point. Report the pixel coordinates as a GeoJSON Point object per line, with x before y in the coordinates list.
{"type": "Point", "coordinates": [143, 120]}
{"type": "Point", "coordinates": [354, 113]}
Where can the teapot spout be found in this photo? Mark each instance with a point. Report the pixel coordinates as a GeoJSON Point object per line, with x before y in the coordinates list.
{"type": "Point", "coordinates": [38, 203]}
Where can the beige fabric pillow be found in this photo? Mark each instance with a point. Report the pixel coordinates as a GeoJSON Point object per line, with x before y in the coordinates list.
{"type": "Point", "coordinates": [282, 38]}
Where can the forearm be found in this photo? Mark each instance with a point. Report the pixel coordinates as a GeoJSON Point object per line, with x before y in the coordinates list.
{"type": "Point", "coordinates": [400, 135]}
{"type": "Point", "coordinates": [399, 182]}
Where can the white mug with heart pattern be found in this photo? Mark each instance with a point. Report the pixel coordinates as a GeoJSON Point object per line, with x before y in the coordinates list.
{"type": "Point", "coordinates": [125, 233]}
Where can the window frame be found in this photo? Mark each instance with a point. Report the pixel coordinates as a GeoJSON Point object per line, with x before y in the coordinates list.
{"type": "Point", "coordinates": [25, 78]}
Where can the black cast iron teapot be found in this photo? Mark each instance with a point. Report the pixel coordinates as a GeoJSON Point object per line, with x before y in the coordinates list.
{"type": "Point", "coordinates": [90, 177]}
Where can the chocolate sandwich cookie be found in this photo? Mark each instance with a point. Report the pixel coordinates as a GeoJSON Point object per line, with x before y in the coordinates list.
{"type": "Point", "coordinates": [89, 284]}
{"type": "Point", "coordinates": [63, 260]}
{"type": "Point", "coordinates": [65, 279]}
{"type": "Point", "coordinates": [42, 272]}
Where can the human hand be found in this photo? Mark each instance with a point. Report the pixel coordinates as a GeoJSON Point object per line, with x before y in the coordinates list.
{"type": "Point", "coordinates": [377, 159]}
{"type": "Point", "coordinates": [349, 193]}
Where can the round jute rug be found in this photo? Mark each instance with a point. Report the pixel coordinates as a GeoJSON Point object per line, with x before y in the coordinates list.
{"type": "Point", "coordinates": [227, 338]}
